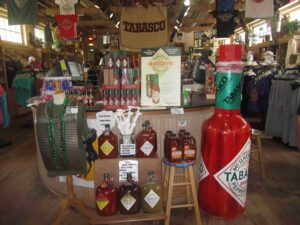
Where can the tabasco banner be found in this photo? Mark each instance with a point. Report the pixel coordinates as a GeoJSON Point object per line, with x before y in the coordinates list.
{"type": "Point", "coordinates": [143, 28]}
{"type": "Point", "coordinates": [161, 77]}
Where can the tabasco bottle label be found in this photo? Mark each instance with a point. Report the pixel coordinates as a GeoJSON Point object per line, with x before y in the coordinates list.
{"type": "Point", "coordinates": [128, 201]}
{"type": "Point", "coordinates": [234, 177]}
{"type": "Point", "coordinates": [102, 201]}
{"type": "Point", "coordinates": [106, 147]}
{"type": "Point", "coordinates": [229, 88]}
{"type": "Point", "coordinates": [202, 169]}
{"type": "Point", "coordinates": [147, 148]}
{"type": "Point", "coordinates": [175, 153]}
{"type": "Point", "coordinates": [152, 199]}
{"type": "Point", "coordinates": [188, 152]}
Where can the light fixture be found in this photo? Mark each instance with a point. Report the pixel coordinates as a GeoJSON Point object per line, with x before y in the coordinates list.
{"type": "Point", "coordinates": [188, 9]}
{"type": "Point", "coordinates": [176, 27]}
{"type": "Point", "coordinates": [117, 24]}
{"type": "Point", "coordinates": [186, 12]}
{"type": "Point", "coordinates": [187, 2]}
{"type": "Point", "coordinates": [177, 21]}
{"type": "Point", "coordinates": [96, 6]}
{"type": "Point", "coordinates": [111, 15]}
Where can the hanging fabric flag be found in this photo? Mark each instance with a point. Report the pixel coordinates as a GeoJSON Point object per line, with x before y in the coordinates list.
{"type": "Point", "coordinates": [259, 8]}
{"type": "Point", "coordinates": [143, 27]}
{"type": "Point", "coordinates": [225, 5]}
{"type": "Point", "coordinates": [66, 7]}
{"type": "Point", "coordinates": [22, 12]}
{"type": "Point", "coordinates": [67, 25]}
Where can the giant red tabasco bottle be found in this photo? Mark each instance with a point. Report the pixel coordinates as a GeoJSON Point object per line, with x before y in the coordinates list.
{"type": "Point", "coordinates": [225, 149]}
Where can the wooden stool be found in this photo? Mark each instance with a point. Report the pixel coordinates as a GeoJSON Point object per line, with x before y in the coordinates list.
{"type": "Point", "coordinates": [256, 148]}
{"type": "Point", "coordinates": [169, 184]}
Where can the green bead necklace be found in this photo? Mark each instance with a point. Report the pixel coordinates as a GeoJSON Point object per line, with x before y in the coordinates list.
{"type": "Point", "coordinates": [58, 153]}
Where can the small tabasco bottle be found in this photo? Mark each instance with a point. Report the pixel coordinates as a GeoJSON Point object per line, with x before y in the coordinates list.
{"type": "Point", "coordinates": [129, 195]}
{"type": "Point", "coordinates": [108, 144]}
{"type": "Point", "coordinates": [175, 152]}
{"type": "Point", "coordinates": [155, 90]}
{"type": "Point", "coordinates": [152, 195]}
{"type": "Point", "coordinates": [106, 197]}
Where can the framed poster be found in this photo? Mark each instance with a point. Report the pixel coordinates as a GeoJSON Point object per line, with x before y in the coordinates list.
{"type": "Point", "coordinates": [161, 77]}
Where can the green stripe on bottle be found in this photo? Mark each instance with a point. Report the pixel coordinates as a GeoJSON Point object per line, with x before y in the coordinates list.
{"type": "Point", "coordinates": [229, 88]}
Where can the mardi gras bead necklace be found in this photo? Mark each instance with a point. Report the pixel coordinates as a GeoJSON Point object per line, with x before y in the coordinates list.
{"type": "Point", "coordinates": [58, 153]}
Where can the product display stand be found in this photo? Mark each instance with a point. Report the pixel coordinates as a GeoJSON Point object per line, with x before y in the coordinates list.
{"type": "Point", "coordinates": [170, 184]}
{"type": "Point", "coordinates": [71, 201]}
{"type": "Point", "coordinates": [111, 166]}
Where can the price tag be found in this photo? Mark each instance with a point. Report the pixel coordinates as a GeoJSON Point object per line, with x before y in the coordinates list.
{"type": "Point", "coordinates": [175, 111]}
{"type": "Point", "coordinates": [182, 123]}
{"type": "Point", "coordinates": [128, 166]}
{"type": "Point", "coordinates": [127, 149]}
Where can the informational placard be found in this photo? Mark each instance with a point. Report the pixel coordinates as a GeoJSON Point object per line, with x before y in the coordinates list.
{"type": "Point", "coordinates": [128, 166]}
{"type": "Point", "coordinates": [127, 149]}
{"type": "Point", "coordinates": [161, 77]}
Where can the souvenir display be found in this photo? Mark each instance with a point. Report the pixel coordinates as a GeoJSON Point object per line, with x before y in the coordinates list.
{"type": "Point", "coordinates": [225, 149]}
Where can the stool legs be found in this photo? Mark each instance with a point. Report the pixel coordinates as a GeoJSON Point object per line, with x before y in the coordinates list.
{"type": "Point", "coordinates": [194, 196]}
{"type": "Point", "coordinates": [169, 194]}
{"type": "Point", "coordinates": [189, 182]}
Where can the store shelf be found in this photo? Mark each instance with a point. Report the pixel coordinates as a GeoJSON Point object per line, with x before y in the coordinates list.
{"type": "Point", "coordinates": [141, 217]}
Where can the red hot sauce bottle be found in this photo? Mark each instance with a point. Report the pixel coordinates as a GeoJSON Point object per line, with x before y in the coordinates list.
{"type": "Point", "coordinates": [108, 144]}
{"type": "Point", "coordinates": [106, 197]}
{"type": "Point", "coordinates": [225, 149]}
{"type": "Point", "coordinates": [146, 142]}
{"type": "Point", "coordinates": [129, 195]}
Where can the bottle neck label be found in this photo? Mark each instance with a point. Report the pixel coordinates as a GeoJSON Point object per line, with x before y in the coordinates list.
{"type": "Point", "coordinates": [229, 88]}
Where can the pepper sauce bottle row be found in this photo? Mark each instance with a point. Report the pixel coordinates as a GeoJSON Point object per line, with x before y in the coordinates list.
{"type": "Point", "coordinates": [179, 147]}
{"type": "Point", "coordinates": [145, 143]}
{"type": "Point", "coordinates": [123, 97]}
{"type": "Point", "coordinates": [129, 198]}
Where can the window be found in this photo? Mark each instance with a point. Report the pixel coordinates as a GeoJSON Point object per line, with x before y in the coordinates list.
{"type": "Point", "coordinates": [260, 31]}
{"type": "Point", "coordinates": [295, 15]}
{"type": "Point", "coordinates": [10, 33]}
{"type": "Point", "coordinates": [39, 33]}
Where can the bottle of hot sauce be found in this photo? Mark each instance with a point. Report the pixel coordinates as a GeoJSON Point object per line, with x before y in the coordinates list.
{"type": "Point", "coordinates": [166, 143]}
{"type": "Point", "coordinates": [188, 147]}
{"type": "Point", "coordinates": [152, 195]}
{"type": "Point", "coordinates": [129, 196]}
{"type": "Point", "coordinates": [155, 90]}
{"type": "Point", "coordinates": [146, 141]}
{"type": "Point", "coordinates": [175, 152]}
{"type": "Point", "coordinates": [106, 197]}
{"type": "Point", "coordinates": [108, 144]}
{"type": "Point", "coordinates": [225, 149]}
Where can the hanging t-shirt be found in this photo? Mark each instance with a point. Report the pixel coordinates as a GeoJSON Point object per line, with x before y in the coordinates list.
{"type": "Point", "coordinates": [225, 23]}
{"type": "Point", "coordinates": [22, 12]}
{"type": "Point", "coordinates": [67, 25]}
{"type": "Point", "coordinates": [66, 7]}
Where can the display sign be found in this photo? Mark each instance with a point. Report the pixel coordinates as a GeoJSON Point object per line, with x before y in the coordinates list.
{"type": "Point", "coordinates": [128, 166]}
{"type": "Point", "coordinates": [143, 27]}
{"type": "Point", "coordinates": [161, 77]}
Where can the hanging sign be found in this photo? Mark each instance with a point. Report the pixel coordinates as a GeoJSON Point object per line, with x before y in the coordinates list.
{"type": "Point", "coordinates": [66, 7]}
{"type": "Point", "coordinates": [143, 27]}
{"type": "Point", "coordinates": [161, 77]}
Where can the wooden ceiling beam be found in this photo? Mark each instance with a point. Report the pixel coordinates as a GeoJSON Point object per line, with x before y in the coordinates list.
{"type": "Point", "coordinates": [90, 23]}
{"type": "Point", "coordinates": [195, 29]}
{"type": "Point", "coordinates": [206, 20]}
{"type": "Point", "coordinates": [79, 10]}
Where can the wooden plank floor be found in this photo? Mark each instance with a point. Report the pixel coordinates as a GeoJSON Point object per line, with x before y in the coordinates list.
{"type": "Point", "coordinates": [25, 201]}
